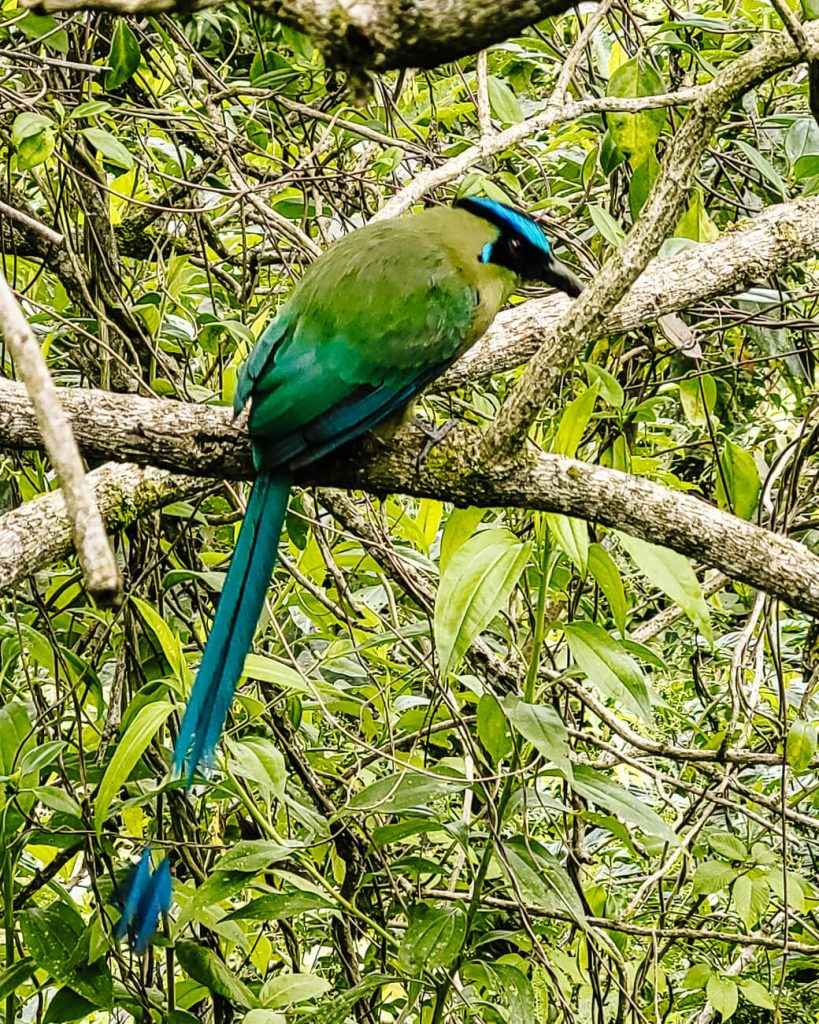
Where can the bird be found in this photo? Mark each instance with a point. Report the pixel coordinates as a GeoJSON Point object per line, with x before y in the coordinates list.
{"type": "Point", "coordinates": [373, 321]}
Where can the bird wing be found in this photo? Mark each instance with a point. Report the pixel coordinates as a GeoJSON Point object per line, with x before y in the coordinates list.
{"type": "Point", "coordinates": [357, 342]}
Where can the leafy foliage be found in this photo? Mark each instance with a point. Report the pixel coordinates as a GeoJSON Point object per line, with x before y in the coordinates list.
{"type": "Point", "coordinates": [492, 765]}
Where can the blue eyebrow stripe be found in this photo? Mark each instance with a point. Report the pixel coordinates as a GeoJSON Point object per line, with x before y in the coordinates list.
{"type": "Point", "coordinates": [501, 214]}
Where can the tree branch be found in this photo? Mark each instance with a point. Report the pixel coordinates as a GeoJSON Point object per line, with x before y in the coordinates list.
{"type": "Point", "coordinates": [377, 34]}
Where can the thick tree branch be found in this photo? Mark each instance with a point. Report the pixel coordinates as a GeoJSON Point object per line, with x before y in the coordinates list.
{"type": "Point", "coordinates": [39, 532]}
{"type": "Point", "coordinates": [378, 34]}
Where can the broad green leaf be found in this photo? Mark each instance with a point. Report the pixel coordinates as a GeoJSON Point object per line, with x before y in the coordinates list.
{"type": "Point", "coordinates": [574, 421]}
{"type": "Point", "coordinates": [503, 101]}
{"type": "Point", "coordinates": [477, 583]}
{"type": "Point", "coordinates": [58, 800]}
{"type": "Point", "coordinates": [280, 906]}
{"type": "Point", "coordinates": [109, 147]}
{"type": "Point", "coordinates": [608, 666]}
{"type": "Point", "coordinates": [672, 573]}
{"type": "Point", "coordinates": [636, 135]}
{"type": "Point", "coordinates": [253, 855]}
{"type": "Point", "coordinates": [287, 989]}
{"type": "Point", "coordinates": [741, 478]}
{"type": "Point", "coordinates": [696, 223]}
{"type": "Point", "coordinates": [124, 56]}
{"type": "Point", "coordinates": [540, 877]}
{"type": "Point", "coordinates": [143, 727]}
{"type": "Point", "coordinates": [41, 757]}
{"type": "Point", "coordinates": [612, 798]}
{"type": "Point", "coordinates": [722, 995]}
{"type": "Point", "coordinates": [801, 140]}
{"type": "Point", "coordinates": [543, 728]}
{"type": "Point", "coordinates": [751, 897]}
{"type": "Point", "coordinates": [166, 638]}
{"type": "Point", "coordinates": [66, 1006]}
{"type": "Point", "coordinates": [764, 166]}
{"type": "Point", "coordinates": [608, 386]}
{"type": "Point", "coordinates": [698, 396]}
{"type": "Point", "coordinates": [713, 876]}
{"type": "Point", "coordinates": [460, 526]}
{"type": "Point", "coordinates": [697, 976]}
{"type": "Point", "coordinates": [727, 845]}
{"type": "Point", "coordinates": [642, 181]}
{"type": "Point", "coordinates": [800, 746]}
{"type": "Point", "coordinates": [33, 137]}
{"type": "Point", "coordinates": [402, 791]}
{"type": "Point", "coordinates": [610, 581]}
{"type": "Point", "coordinates": [433, 939]}
{"type": "Point", "coordinates": [493, 727]}
{"type": "Point", "coordinates": [204, 966]}
{"type": "Point", "coordinates": [606, 225]}
{"type": "Point", "coordinates": [260, 760]}
{"type": "Point", "coordinates": [15, 976]}
{"type": "Point", "coordinates": [756, 994]}
{"type": "Point", "coordinates": [54, 937]}
{"type": "Point", "coordinates": [571, 536]}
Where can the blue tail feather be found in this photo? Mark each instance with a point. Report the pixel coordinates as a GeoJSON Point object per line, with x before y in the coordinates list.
{"type": "Point", "coordinates": [234, 624]}
{"type": "Point", "coordinates": [147, 894]}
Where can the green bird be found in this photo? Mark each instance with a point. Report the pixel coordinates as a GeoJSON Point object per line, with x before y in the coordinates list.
{"type": "Point", "coordinates": [373, 321]}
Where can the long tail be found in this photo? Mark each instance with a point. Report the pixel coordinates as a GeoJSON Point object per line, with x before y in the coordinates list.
{"type": "Point", "coordinates": [235, 622]}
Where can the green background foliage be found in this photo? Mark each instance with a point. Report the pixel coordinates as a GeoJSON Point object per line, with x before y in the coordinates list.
{"type": "Point", "coordinates": [477, 769]}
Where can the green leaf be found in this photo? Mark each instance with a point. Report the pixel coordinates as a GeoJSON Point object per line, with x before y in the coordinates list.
{"type": "Point", "coordinates": [287, 989]}
{"type": "Point", "coordinates": [608, 666]}
{"type": "Point", "coordinates": [68, 1006]}
{"type": "Point", "coordinates": [477, 583]}
{"type": "Point", "coordinates": [636, 135]}
{"type": "Point", "coordinates": [574, 421]}
{"type": "Point", "coordinates": [602, 566]}
{"type": "Point", "coordinates": [433, 939]}
{"type": "Point", "coordinates": [280, 906]}
{"type": "Point", "coordinates": [606, 225]}
{"type": "Point", "coordinates": [143, 727]}
{"type": "Point", "coordinates": [41, 757]}
{"type": "Point", "coordinates": [727, 846]}
{"type": "Point", "coordinates": [543, 728]}
{"type": "Point", "coordinates": [756, 994]}
{"type": "Point", "coordinates": [166, 638]}
{"type": "Point", "coordinates": [540, 877]}
{"type": "Point", "coordinates": [698, 396]}
{"type": "Point", "coordinates": [109, 147]}
{"type": "Point", "coordinates": [722, 995]}
{"type": "Point", "coordinates": [608, 386]}
{"type": "Point", "coordinates": [764, 166]}
{"type": "Point", "coordinates": [800, 746]}
{"type": "Point", "coordinates": [571, 536]}
{"type": "Point", "coordinates": [15, 976]}
{"type": "Point", "coordinates": [460, 526]}
{"type": "Point", "coordinates": [614, 799]}
{"type": "Point", "coordinates": [741, 477]}
{"type": "Point", "coordinates": [204, 966]}
{"type": "Point", "coordinates": [253, 855]}
{"type": "Point", "coordinates": [697, 976]}
{"type": "Point", "coordinates": [642, 180]}
{"type": "Point", "coordinates": [58, 800]}
{"type": "Point", "coordinates": [402, 791]}
{"type": "Point", "coordinates": [124, 56]}
{"type": "Point", "coordinates": [713, 876]}
{"type": "Point", "coordinates": [672, 573]}
{"type": "Point", "coordinates": [33, 137]}
{"type": "Point", "coordinates": [56, 938]}
{"type": "Point", "coordinates": [696, 223]}
{"type": "Point", "coordinates": [261, 761]}
{"type": "Point", "coordinates": [503, 101]}
{"type": "Point", "coordinates": [493, 727]}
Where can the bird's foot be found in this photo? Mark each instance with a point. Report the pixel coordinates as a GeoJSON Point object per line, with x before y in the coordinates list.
{"type": "Point", "coordinates": [434, 435]}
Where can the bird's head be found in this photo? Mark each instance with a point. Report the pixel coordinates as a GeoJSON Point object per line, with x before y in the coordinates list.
{"type": "Point", "coordinates": [521, 246]}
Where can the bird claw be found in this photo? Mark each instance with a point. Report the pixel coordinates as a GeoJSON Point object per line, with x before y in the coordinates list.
{"type": "Point", "coordinates": [434, 436]}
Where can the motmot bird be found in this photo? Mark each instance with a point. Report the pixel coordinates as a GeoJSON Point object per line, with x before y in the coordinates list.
{"type": "Point", "coordinates": [382, 313]}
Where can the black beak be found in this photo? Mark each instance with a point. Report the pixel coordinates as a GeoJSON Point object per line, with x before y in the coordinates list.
{"type": "Point", "coordinates": [558, 275]}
